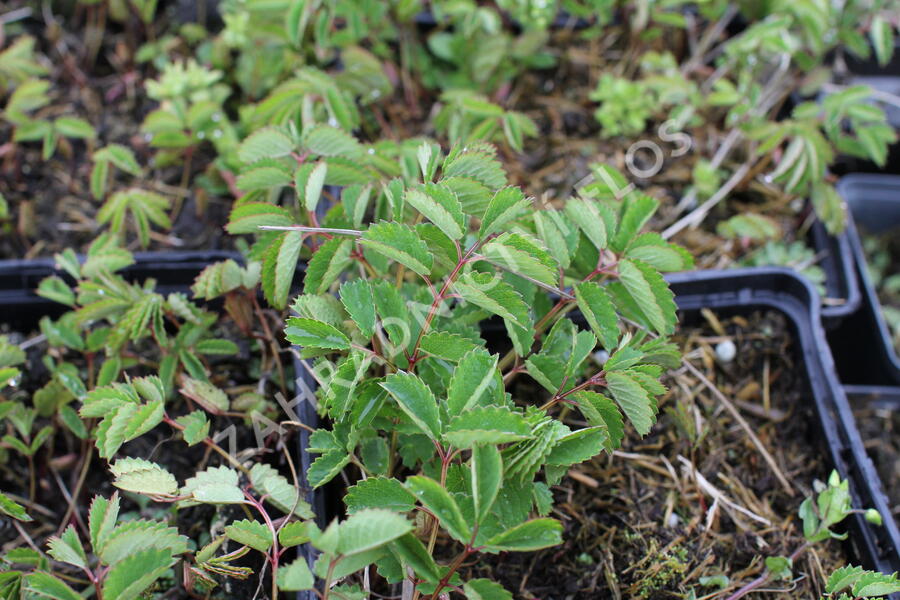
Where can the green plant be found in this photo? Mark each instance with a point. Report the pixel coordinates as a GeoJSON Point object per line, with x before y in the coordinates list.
{"type": "Point", "coordinates": [627, 104]}
{"type": "Point", "coordinates": [879, 263]}
{"type": "Point", "coordinates": [419, 405]}
{"type": "Point", "coordinates": [468, 117]}
{"type": "Point", "coordinates": [794, 255]}
{"type": "Point", "coordinates": [819, 513]}
{"type": "Point", "coordinates": [29, 96]}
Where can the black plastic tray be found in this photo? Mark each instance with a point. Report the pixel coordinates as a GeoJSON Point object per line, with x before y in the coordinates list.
{"type": "Point", "coordinates": [840, 271]}
{"type": "Point", "coordinates": [780, 289]}
{"type": "Point", "coordinates": [862, 344]}
{"type": "Point", "coordinates": [172, 270]}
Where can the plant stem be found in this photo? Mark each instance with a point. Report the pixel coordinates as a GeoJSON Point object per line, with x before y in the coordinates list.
{"type": "Point", "coordinates": [328, 577]}
{"type": "Point", "coordinates": [212, 445]}
{"type": "Point", "coordinates": [432, 310]}
{"type": "Point", "coordinates": [765, 576]}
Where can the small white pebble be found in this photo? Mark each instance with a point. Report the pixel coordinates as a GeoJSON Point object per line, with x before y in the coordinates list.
{"type": "Point", "coordinates": [726, 351]}
{"type": "Point", "coordinates": [601, 356]}
{"type": "Point", "coordinates": [674, 520]}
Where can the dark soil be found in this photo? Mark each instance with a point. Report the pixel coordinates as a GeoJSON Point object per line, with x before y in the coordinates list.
{"type": "Point", "coordinates": [878, 422]}
{"type": "Point", "coordinates": [640, 524]}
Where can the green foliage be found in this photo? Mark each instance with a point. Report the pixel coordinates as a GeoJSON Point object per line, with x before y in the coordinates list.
{"type": "Point", "coordinates": [794, 255]}
{"type": "Point", "coordinates": [399, 357]}
{"type": "Point", "coordinates": [130, 556]}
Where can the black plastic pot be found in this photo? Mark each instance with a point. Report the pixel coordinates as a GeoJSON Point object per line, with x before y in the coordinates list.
{"type": "Point", "coordinates": [840, 272]}
{"type": "Point", "coordinates": [862, 344]}
{"type": "Point", "coordinates": [174, 271]}
{"type": "Point", "coordinates": [741, 290]}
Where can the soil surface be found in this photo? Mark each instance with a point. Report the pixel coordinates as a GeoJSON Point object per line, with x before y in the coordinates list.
{"type": "Point", "coordinates": [878, 422]}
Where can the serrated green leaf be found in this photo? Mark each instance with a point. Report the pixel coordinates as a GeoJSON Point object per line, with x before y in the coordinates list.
{"type": "Point", "coordinates": [295, 576]}
{"type": "Point", "coordinates": [143, 477]}
{"type": "Point", "coordinates": [13, 509]}
{"type": "Point", "coordinates": [315, 334]}
{"type": "Point", "coordinates": [325, 140]}
{"type": "Point", "coordinates": [439, 205]}
{"type": "Point", "coordinates": [490, 292]}
{"type": "Point", "coordinates": [133, 536]}
{"type": "Point", "coordinates": [308, 181]}
{"type": "Point", "coordinates": [102, 519]}
{"type": "Point", "coordinates": [67, 548]}
{"type": "Point", "coordinates": [211, 398]}
{"type": "Point", "coordinates": [371, 528]}
{"type": "Point", "coordinates": [478, 163]}
{"type": "Point", "coordinates": [486, 478]}
{"type": "Point", "coordinates": [412, 552]}
{"type": "Point", "coordinates": [527, 537]}
{"type": "Point", "coordinates": [586, 215]}
{"type": "Point", "coordinates": [653, 250]}
{"type": "Point", "coordinates": [600, 411]}
{"type": "Point", "coordinates": [441, 504]}
{"type": "Point", "coordinates": [416, 400]}
{"type": "Point", "coordinates": [263, 177]}
{"type": "Point", "coordinates": [506, 205]}
{"type": "Point", "coordinates": [247, 217]}
{"type": "Point", "coordinates": [219, 347]}
{"type": "Point", "coordinates": [635, 401]}
{"type": "Point", "coordinates": [196, 427]}
{"type": "Point", "coordinates": [357, 298]}
{"type": "Point", "coordinates": [121, 156]}
{"type": "Point", "coordinates": [326, 265]}
{"type": "Point", "coordinates": [250, 533]}
{"type": "Point", "coordinates": [474, 382]}
{"type": "Point", "coordinates": [399, 242]}
{"type": "Point", "coordinates": [882, 34]}
{"type": "Point", "coordinates": [279, 491]}
{"type": "Point", "coordinates": [379, 492]}
{"type": "Point", "coordinates": [47, 586]}
{"type": "Point", "coordinates": [598, 310]}
{"type": "Point", "coordinates": [215, 485]}
{"type": "Point", "coordinates": [874, 584]}
{"type": "Point", "coordinates": [130, 577]}
{"type": "Point", "coordinates": [54, 288]}
{"type": "Point", "coordinates": [485, 589]}
{"type": "Point", "coordinates": [843, 578]}
{"type": "Point", "coordinates": [578, 446]}
{"type": "Point", "coordinates": [637, 210]}
{"type": "Point", "coordinates": [294, 534]}
{"type": "Point", "coordinates": [268, 142]}
{"type": "Point", "coordinates": [446, 345]}
{"type": "Point", "coordinates": [650, 293]}
{"type": "Point", "coordinates": [549, 371]}
{"type": "Point", "coordinates": [72, 127]}
{"type": "Point", "coordinates": [522, 256]}
{"type": "Point", "coordinates": [486, 424]}
{"type": "Point", "coordinates": [326, 467]}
